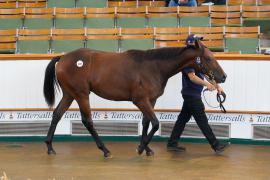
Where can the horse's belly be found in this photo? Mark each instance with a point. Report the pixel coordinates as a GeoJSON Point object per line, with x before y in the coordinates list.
{"type": "Point", "coordinates": [112, 85]}
{"type": "Point", "coordinates": [112, 93]}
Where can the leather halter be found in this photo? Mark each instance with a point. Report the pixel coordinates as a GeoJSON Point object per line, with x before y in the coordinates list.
{"type": "Point", "coordinates": [198, 61]}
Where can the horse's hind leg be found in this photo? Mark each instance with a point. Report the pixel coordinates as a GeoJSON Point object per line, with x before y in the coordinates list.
{"type": "Point", "coordinates": [57, 115]}
{"type": "Point", "coordinates": [145, 124]}
{"type": "Point", "coordinates": [88, 123]}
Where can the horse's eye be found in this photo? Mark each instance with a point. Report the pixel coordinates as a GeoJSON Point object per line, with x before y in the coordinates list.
{"type": "Point", "coordinates": [208, 60]}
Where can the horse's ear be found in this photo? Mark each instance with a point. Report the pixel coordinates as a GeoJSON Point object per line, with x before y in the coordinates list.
{"type": "Point", "coordinates": [198, 44]}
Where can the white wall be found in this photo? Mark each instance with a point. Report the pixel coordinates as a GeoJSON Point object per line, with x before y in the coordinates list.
{"type": "Point", "coordinates": [247, 87]}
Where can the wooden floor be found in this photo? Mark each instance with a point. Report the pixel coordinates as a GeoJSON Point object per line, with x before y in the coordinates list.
{"type": "Point", "coordinates": [82, 160]}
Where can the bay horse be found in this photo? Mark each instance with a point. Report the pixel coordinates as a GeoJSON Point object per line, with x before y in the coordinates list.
{"type": "Point", "coordinates": [134, 75]}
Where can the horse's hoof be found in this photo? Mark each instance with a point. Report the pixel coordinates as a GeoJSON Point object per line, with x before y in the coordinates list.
{"type": "Point", "coordinates": [51, 152]}
{"type": "Point", "coordinates": [150, 153]}
{"type": "Point", "coordinates": [140, 149]}
{"type": "Point", "coordinates": [108, 155]}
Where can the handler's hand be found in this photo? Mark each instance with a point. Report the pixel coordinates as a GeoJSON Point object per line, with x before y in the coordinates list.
{"type": "Point", "coordinates": [211, 87]}
{"type": "Point", "coordinates": [219, 90]}
{"type": "Point", "coordinates": [182, 1]}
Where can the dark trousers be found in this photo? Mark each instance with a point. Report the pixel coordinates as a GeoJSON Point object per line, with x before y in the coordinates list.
{"type": "Point", "coordinates": [192, 106]}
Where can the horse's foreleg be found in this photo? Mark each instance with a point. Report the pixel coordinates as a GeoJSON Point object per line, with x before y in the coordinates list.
{"type": "Point", "coordinates": [88, 123]}
{"type": "Point", "coordinates": [57, 115]}
{"type": "Point", "coordinates": [147, 109]}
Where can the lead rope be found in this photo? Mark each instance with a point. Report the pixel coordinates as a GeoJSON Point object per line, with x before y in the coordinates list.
{"type": "Point", "coordinates": [220, 99]}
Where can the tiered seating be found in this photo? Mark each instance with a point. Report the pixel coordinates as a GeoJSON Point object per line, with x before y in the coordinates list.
{"type": "Point", "coordinates": [256, 11]}
{"type": "Point", "coordinates": [136, 38]}
{"type": "Point", "coordinates": [105, 39]}
{"type": "Point", "coordinates": [107, 3]}
{"type": "Point", "coordinates": [163, 16]}
{"type": "Point", "coordinates": [136, 3]}
{"type": "Point", "coordinates": [170, 37]}
{"type": "Point", "coordinates": [176, 16]}
{"type": "Point", "coordinates": [8, 4]}
{"type": "Point", "coordinates": [8, 41]}
{"type": "Point", "coordinates": [91, 3]}
{"type": "Point", "coordinates": [157, 3]}
{"type": "Point", "coordinates": [257, 15]}
{"type": "Point", "coordinates": [194, 16]}
{"type": "Point", "coordinates": [242, 2]}
{"type": "Point", "coordinates": [78, 3]}
{"type": "Point", "coordinates": [34, 40]}
{"type": "Point", "coordinates": [104, 17]}
{"type": "Point", "coordinates": [131, 17]}
{"type": "Point", "coordinates": [65, 41]}
{"type": "Point", "coordinates": [100, 17]}
{"type": "Point", "coordinates": [69, 18]}
{"type": "Point", "coordinates": [23, 3]}
{"type": "Point", "coordinates": [122, 4]}
{"type": "Point", "coordinates": [225, 15]}
{"type": "Point", "coordinates": [249, 2]}
{"type": "Point", "coordinates": [32, 3]}
{"type": "Point", "coordinates": [263, 2]}
{"type": "Point", "coordinates": [11, 18]}
{"type": "Point", "coordinates": [212, 37]}
{"type": "Point", "coordinates": [61, 3]}
{"type": "Point", "coordinates": [120, 21]}
{"type": "Point", "coordinates": [245, 39]}
{"type": "Point", "coordinates": [38, 18]}
{"type": "Point", "coordinates": [52, 3]}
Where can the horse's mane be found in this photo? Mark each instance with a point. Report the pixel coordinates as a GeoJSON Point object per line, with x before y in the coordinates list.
{"type": "Point", "coordinates": [156, 54]}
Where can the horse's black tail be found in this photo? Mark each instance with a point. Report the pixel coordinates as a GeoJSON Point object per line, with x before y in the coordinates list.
{"type": "Point", "coordinates": [50, 82]}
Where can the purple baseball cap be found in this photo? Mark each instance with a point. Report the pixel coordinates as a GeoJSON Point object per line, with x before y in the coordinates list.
{"type": "Point", "coordinates": [191, 39]}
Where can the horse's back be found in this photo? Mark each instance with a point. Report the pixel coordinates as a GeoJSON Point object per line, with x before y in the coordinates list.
{"type": "Point", "coordinates": [80, 59]}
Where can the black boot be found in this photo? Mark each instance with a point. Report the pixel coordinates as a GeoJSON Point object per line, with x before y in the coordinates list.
{"type": "Point", "coordinates": [220, 147]}
{"type": "Point", "coordinates": [175, 148]}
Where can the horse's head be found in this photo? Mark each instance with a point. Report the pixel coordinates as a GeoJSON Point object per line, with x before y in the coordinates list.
{"type": "Point", "coordinates": [205, 63]}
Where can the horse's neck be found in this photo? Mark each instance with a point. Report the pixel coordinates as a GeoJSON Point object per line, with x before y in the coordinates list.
{"type": "Point", "coordinates": [170, 67]}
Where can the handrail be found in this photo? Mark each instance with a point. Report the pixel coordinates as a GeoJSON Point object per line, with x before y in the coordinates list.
{"type": "Point", "coordinates": [221, 56]}
{"type": "Point", "coordinates": [134, 109]}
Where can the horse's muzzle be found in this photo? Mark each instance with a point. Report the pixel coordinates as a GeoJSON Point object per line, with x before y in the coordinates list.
{"type": "Point", "coordinates": [223, 79]}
